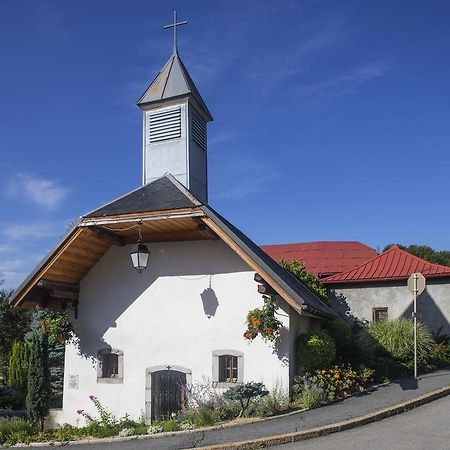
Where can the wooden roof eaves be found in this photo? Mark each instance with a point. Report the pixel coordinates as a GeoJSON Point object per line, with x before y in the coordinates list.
{"type": "Point", "coordinates": [35, 275]}
{"type": "Point", "coordinates": [142, 217]}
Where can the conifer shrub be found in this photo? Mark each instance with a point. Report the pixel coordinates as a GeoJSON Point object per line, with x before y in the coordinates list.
{"type": "Point", "coordinates": [18, 371]}
{"type": "Point", "coordinates": [245, 393]}
{"type": "Point", "coordinates": [38, 388]}
{"type": "Point", "coordinates": [316, 350]}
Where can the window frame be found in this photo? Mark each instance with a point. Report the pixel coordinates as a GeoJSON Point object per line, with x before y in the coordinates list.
{"type": "Point", "coordinates": [377, 309]}
{"type": "Point", "coordinates": [109, 351]}
{"type": "Point", "coordinates": [216, 368]}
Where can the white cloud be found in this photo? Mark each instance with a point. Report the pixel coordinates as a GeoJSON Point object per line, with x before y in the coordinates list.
{"type": "Point", "coordinates": [247, 186]}
{"type": "Point", "coordinates": [45, 193]}
{"type": "Point", "coordinates": [38, 230]}
{"type": "Point", "coordinates": [343, 84]}
{"type": "Point", "coordinates": [241, 177]}
{"type": "Point", "coordinates": [22, 246]}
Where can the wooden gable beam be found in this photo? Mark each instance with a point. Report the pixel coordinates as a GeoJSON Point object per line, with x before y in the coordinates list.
{"type": "Point", "coordinates": [108, 235]}
{"type": "Point", "coordinates": [48, 264]}
{"type": "Point", "coordinates": [204, 230]}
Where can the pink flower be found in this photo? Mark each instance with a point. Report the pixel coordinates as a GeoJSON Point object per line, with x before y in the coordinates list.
{"type": "Point", "coordinates": [80, 411]}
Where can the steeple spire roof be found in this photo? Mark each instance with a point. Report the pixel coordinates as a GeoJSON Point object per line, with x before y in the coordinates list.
{"type": "Point", "coordinates": [171, 82]}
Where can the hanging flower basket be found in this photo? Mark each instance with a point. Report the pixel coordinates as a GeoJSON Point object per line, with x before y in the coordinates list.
{"type": "Point", "coordinates": [262, 321]}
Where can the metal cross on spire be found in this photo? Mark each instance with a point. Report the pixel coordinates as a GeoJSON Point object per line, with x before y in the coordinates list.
{"type": "Point", "coordinates": [174, 25]}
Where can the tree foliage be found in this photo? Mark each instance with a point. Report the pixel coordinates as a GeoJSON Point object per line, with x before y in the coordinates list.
{"type": "Point", "coordinates": [297, 269]}
{"type": "Point", "coordinates": [59, 330]}
{"type": "Point", "coordinates": [38, 389]}
{"type": "Point", "coordinates": [425, 252]}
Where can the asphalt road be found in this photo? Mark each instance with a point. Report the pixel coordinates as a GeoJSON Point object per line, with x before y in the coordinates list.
{"type": "Point", "coordinates": [424, 428]}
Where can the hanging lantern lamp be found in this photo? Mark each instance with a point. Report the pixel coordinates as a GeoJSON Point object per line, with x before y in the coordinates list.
{"type": "Point", "coordinates": [139, 254]}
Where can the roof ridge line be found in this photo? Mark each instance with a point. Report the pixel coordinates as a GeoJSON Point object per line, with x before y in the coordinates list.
{"type": "Point", "coordinates": [339, 276]}
{"type": "Point", "coordinates": [358, 266]}
{"type": "Point", "coordinates": [418, 258]}
{"type": "Point", "coordinates": [182, 188]}
{"type": "Point", "coordinates": [172, 59]}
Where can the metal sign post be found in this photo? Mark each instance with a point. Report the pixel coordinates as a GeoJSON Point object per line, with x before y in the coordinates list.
{"type": "Point", "coordinates": [416, 285]}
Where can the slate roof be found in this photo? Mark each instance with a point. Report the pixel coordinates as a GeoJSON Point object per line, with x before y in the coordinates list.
{"type": "Point", "coordinates": [159, 195]}
{"type": "Point", "coordinates": [393, 264]}
{"type": "Point", "coordinates": [323, 258]}
{"type": "Point", "coordinates": [172, 81]}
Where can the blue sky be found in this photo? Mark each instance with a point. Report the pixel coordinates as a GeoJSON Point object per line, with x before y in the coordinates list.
{"type": "Point", "coordinates": [331, 118]}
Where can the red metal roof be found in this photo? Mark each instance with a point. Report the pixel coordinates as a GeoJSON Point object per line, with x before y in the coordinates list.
{"type": "Point", "coordinates": [323, 258]}
{"type": "Point", "coordinates": [394, 264]}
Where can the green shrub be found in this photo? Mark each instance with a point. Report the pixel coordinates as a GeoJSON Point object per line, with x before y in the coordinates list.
{"type": "Point", "coordinates": [311, 396]}
{"type": "Point", "coordinates": [245, 393]}
{"type": "Point", "coordinates": [395, 339]}
{"type": "Point", "coordinates": [388, 369]}
{"type": "Point", "coordinates": [8, 397]}
{"type": "Point", "coordinates": [277, 401]}
{"type": "Point", "coordinates": [228, 411]}
{"type": "Point", "coordinates": [15, 430]}
{"type": "Point", "coordinates": [141, 429]}
{"type": "Point", "coordinates": [316, 350]}
{"type": "Point", "coordinates": [101, 431]}
{"type": "Point", "coordinates": [171, 425]}
{"type": "Point", "coordinates": [67, 433]}
{"type": "Point", "coordinates": [204, 417]}
{"type": "Point", "coordinates": [341, 332]}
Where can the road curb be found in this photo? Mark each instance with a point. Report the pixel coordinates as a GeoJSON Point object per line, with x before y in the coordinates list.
{"type": "Point", "coordinates": [334, 427]}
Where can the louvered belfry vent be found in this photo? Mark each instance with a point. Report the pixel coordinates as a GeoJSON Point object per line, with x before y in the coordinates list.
{"type": "Point", "coordinates": [198, 130]}
{"type": "Point", "coordinates": [164, 125]}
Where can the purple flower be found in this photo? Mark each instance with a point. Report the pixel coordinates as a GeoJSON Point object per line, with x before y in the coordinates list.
{"type": "Point", "coordinates": [80, 411]}
{"type": "Point", "coordinates": [92, 398]}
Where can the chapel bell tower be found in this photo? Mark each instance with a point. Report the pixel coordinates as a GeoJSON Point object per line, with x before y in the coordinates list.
{"type": "Point", "coordinates": [175, 121]}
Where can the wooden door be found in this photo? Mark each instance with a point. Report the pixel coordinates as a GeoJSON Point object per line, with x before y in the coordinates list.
{"type": "Point", "coordinates": [168, 393]}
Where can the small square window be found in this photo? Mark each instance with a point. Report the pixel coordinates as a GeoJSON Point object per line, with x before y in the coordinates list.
{"type": "Point", "coordinates": [110, 366]}
{"type": "Point", "coordinates": [379, 313]}
{"type": "Point", "coordinates": [228, 368]}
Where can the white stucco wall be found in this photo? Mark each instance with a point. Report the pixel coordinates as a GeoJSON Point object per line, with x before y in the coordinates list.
{"type": "Point", "coordinates": [158, 318]}
{"type": "Point", "coordinates": [433, 303]}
